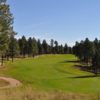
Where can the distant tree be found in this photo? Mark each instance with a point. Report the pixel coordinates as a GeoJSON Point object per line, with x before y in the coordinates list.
{"type": "Point", "coordinates": [70, 50]}
{"type": "Point", "coordinates": [96, 45]}
{"type": "Point", "coordinates": [45, 47]}
{"type": "Point", "coordinates": [84, 50]}
{"type": "Point", "coordinates": [76, 50]}
{"type": "Point", "coordinates": [30, 46]}
{"type": "Point", "coordinates": [61, 49]}
{"type": "Point", "coordinates": [35, 47]}
{"type": "Point", "coordinates": [40, 48]}
{"type": "Point", "coordinates": [66, 50]}
{"type": "Point", "coordinates": [23, 46]}
{"type": "Point", "coordinates": [52, 46]}
{"type": "Point", "coordinates": [96, 62]}
{"type": "Point", "coordinates": [13, 47]}
{"type": "Point", "coordinates": [88, 50]}
{"type": "Point", "coordinates": [56, 47]}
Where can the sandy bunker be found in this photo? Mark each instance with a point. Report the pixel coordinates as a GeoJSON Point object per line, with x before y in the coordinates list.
{"type": "Point", "coordinates": [11, 82]}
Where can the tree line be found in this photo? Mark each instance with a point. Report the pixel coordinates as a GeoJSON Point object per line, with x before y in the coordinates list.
{"type": "Point", "coordinates": [32, 47]}
{"type": "Point", "coordinates": [89, 52]}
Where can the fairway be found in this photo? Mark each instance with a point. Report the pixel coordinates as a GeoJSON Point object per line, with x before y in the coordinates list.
{"type": "Point", "coordinates": [52, 73]}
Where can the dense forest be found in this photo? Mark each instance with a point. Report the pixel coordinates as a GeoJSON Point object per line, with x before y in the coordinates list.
{"type": "Point", "coordinates": [89, 52]}
{"type": "Point", "coordinates": [32, 47]}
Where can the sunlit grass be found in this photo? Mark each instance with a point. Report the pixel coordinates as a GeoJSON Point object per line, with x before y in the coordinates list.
{"type": "Point", "coordinates": [52, 73]}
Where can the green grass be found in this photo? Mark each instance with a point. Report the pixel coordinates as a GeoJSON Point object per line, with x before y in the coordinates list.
{"type": "Point", "coordinates": [52, 73]}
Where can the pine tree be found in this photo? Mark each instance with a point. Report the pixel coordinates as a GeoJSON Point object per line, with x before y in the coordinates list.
{"type": "Point", "coordinates": [56, 47]}
{"type": "Point", "coordinates": [40, 49]}
{"type": "Point", "coordinates": [13, 47]}
{"type": "Point", "coordinates": [30, 46]}
{"type": "Point", "coordinates": [52, 46]}
{"type": "Point", "coordinates": [66, 51]}
{"type": "Point", "coordinates": [88, 50]}
{"type": "Point", "coordinates": [23, 46]}
{"type": "Point", "coordinates": [45, 47]}
{"type": "Point", "coordinates": [35, 47]}
{"type": "Point", "coordinates": [96, 62]}
{"type": "Point", "coordinates": [6, 21]}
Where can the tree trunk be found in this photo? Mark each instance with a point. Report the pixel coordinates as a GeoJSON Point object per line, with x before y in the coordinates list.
{"type": "Point", "coordinates": [12, 56]}
{"type": "Point", "coordinates": [2, 60]}
{"type": "Point", "coordinates": [7, 57]}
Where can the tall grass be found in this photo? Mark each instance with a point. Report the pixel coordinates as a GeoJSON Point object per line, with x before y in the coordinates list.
{"type": "Point", "coordinates": [29, 94]}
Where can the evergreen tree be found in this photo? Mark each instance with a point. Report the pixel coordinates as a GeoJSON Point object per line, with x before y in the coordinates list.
{"type": "Point", "coordinates": [23, 46]}
{"type": "Point", "coordinates": [56, 47]}
{"type": "Point", "coordinates": [35, 47]}
{"type": "Point", "coordinates": [88, 50]}
{"type": "Point", "coordinates": [40, 49]}
{"type": "Point", "coordinates": [13, 47]}
{"type": "Point", "coordinates": [30, 46]}
{"type": "Point", "coordinates": [66, 50]}
{"type": "Point", "coordinates": [45, 47]}
{"type": "Point", "coordinates": [61, 49]}
{"type": "Point", "coordinates": [52, 46]}
{"type": "Point", "coordinates": [96, 62]}
{"type": "Point", "coordinates": [96, 45]}
{"type": "Point", "coordinates": [6, 21]}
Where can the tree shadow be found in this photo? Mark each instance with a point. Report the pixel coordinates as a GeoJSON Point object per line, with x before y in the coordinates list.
{"type": "Point", "coordinates": [85, 76]}
{"type": "Point", "coordinates": [80, 65]}
{"type": "Point", "coordinates": [70, 61]}
{"type": "Point", "coordinates": [84, 68]}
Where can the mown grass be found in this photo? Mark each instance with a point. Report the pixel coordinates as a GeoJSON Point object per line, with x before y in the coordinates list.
{"type": "Point", "coordinates": [52, 73]}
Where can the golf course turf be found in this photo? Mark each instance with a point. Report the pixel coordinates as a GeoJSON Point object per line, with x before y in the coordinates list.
{"type": "Point", "coordinates": [52, 73]}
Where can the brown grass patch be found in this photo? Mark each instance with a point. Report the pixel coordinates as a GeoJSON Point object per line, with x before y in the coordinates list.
{"type": "Point", "coordinates": [3, 83]}
{"type": "Point", "coordinates": [29, 94]}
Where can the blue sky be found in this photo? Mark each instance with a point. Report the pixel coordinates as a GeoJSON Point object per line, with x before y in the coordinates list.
{"type": "Point", "coordinates": [62, 20]}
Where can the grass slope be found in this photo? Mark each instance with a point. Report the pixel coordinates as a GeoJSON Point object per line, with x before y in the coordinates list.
{"type": "Point", "coordinates": [52, 73]}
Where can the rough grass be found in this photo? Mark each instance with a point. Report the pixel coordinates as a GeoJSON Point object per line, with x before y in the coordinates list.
{"type": "Point", "coordinates": [3, 83]}
{"type": "Point", "coordinates": [29, 94]}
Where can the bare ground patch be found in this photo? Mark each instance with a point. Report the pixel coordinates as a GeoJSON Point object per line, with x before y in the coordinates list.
{"type": "Point", "coordinates": [9, 82]}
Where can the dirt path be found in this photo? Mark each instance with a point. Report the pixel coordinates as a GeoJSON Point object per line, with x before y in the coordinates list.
{"type": "Point", "coordinates": [12, 82]}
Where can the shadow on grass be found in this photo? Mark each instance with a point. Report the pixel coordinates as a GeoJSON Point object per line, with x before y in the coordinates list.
{"type": "Point", "coordinates": [85, 76]}
{"type": "Point", "coordinates": [84, 68]}
{"type": "Point", "coordinates": [70, 61]}
{"type": "Point", "coordinates": [80, 65]}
